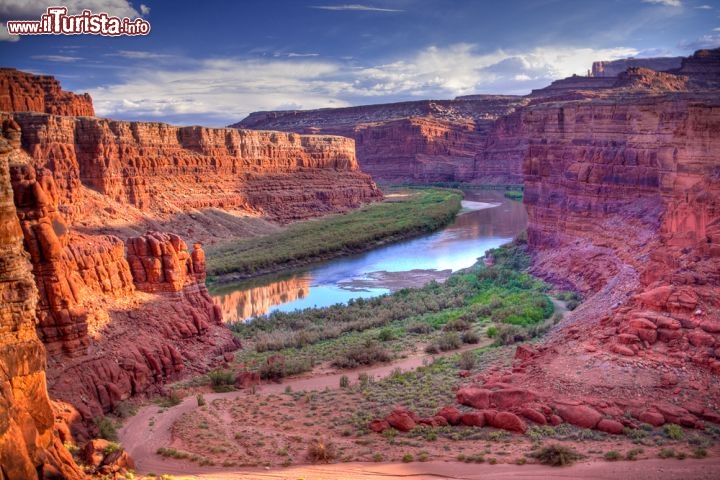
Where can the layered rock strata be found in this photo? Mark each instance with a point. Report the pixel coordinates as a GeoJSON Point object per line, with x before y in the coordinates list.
{"type": "Point", "coordinates": [616, 67]}
{"type": "Point", "coordinates": [457, 140]}
{"type": "Point", "coordinates": [29, 446]}
{"type": "Point", "coordinates": [162, 171]}
{"type": "Point", "coordinates": [25, 92]}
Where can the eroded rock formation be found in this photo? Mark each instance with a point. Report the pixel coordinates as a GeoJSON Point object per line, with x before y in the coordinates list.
{"type": "Point", "coordinates": [623, 198]}
{"type": "Point", "coordinates": [426, 141]}
{"type": "Point", "coordinates": [25, 92]}
{"type": "Point", "coordinates": [616, 67]}
{"type": "Point", "coordinates": [29, 446]}
{"type": "Point", "coordinates": [165, 173]}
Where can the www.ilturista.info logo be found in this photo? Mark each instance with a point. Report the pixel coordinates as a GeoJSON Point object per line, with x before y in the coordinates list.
{"type": "Point", "coordinates": [57, 22]}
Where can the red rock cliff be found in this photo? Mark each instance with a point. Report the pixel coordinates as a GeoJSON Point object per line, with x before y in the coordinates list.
{"type": "Point", "coordinates": [24, 92]}
{"type": "Point", "coordinates": [426, 141]}
{"type": "Point", "coordinates": [623, 197]}
{"type": "Point", "coordinates": [163, 171]}
{"type": "Point", "coordinates": [29, 447]}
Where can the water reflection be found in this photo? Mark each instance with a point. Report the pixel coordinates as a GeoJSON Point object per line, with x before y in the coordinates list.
{"type": "Point", "coordinates": [337, 281]}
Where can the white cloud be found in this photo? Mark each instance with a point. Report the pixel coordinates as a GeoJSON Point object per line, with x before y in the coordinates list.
{"type": "Point", "coordinates": [138, 55]}
{"type": "Point", "coordinates": [716, 29]}
{"type": "Point", "coordinates": [5, 35]}
{"type": "Point", "coordinates": [704, 7]}
{"type": "Point", "coordinates": [300, 55]}
{"type": "Point", "coordinates": [144, 9]}
{"type": "Point", "coordinates": [355, 7]}
{"type": "Point", "coordinates": [221, 91]}
{"type": "Point", "coordinates": [56, 58]}
{"type": "Point", "coordinates": [667, 3]}
{"type": "Point", "coordinates": [32, 9]}
{"type": "Point", "coordinates": [706, 41]}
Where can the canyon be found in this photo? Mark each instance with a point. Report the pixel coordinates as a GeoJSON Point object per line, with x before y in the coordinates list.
{"type": "Point", "coordinates": [103, 298]}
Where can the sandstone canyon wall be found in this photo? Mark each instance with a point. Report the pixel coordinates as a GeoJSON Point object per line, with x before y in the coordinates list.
{"type": "Point", "coordinates": [25, 92]}
{"type": "Point", "coordinates": [29, 447]}
{"type": "Point", "coordinates": [616, 67]}
{"type": "Point", "coordinates": [472, 139]}
{"type": "Point", "coordinates": [160, 174]}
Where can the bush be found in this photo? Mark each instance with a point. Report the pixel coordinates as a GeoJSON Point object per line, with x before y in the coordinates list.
{"type": "Point", "coordinates": [557, 455]}
{"type": "Point", "coordinates": [673, 432]}
{"type": "Point", "coordinates": [467, 360]}
{"type": "Point", "coordinates": [449, 341]}
{"type": "Point", "coordinates": [491, 331]}
{"type": "Point", "coordinates": [222, 380]}
{"type": "Point", "coordinates": [470, 337]}
{"type": "Point", "coordinates": [320, 450]}
{"type": "Point", "coordinates": [170, 400]}
{"type": "Point", "coordinates": [408, 457]}
{"type": "Point", "coordinates": [107, 428]}
{"type": "Point", "coordinates": [632, 454]}
{"type": "Point", "coordinates": [200, 399]}
{"type": "Point", "coordinates": [509, 334]}
{"type": "Point", "coordinates": [344, 381]}
{"type": "Point", "coordinates": [612, 456]}
{"type": "Point", "coordinates": [386, 334]}
{"type": "Point", "coordinates": [432, 349]}
{"type": "Point", "coordinates": [666, 453]}
{"type": "Point", "coordinates": [700, 452]}
{"type": "Point", "coordinates": [458, 325]}
{"type": "Point", "coordinates": [368, 353]}
{"type": "Point", "coordinates": [572, 304]}
{"type": "Point", "coordinates": [419, 327]}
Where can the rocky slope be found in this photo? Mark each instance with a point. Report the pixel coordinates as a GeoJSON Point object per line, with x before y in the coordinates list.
{"type": "Point", "coordinates": [25, 92]}
{"type": "Point", "coordinates": [29, 446]}
{"type": "Point", "coordinates": [457, 140]}
{"type": "Point", "coordinates": [623, 199]}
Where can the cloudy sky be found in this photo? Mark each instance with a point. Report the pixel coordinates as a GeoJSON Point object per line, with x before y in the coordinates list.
{"type": "Point", "coordinates": [214, 62]}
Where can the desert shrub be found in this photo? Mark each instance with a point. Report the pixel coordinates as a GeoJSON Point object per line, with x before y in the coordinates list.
{"type": "Point", "coordinates": [386, 334]}
{"type": "Point", "coordinates": [125, 409]}
{"type": "Point", "coordinates": [470, 337]}
{"type": "Point", "coordinates": [419, 327]}
{"type": "Point", "coordinates": [200, 399]}
{"type": "Point", "coordinates": [700, 452]}
{"type": "Point", "coordinates": [556, 455]}
{"type": "Point", "coordinates": [107, 428]}
{"type": "Point", "coordinates": [344, 381]}
{"type": "Point", "coordinates": [432, 349]}
{"type": "Point", "coordinates": [673, 432]}
{"type": "Point", "coordinates": [467, 360]}
{"type": "Point", "coordinates": [408, 457]}
{"type": "Point", "coordinates": [612, 456]}
{"type": "Point", "coordinates": [632, 454]}
{"type": "Point", "coordinates": [169, 400]}
{"type": "Point", "coordinates": [491, 331]}
{"type": "Point", "coordinates": [457, 325]}
{"type": "Point", "coordinates": [449, 341]}
{"type": "Point", "coordinates": [321, 451]}
{"type": "Point", "coordinates": [222, 380]}
{"type": "Point", "coordinates": [368, 353]}
{"type": "Point", "coordinates": [666, 453]}
{"type": "Point", "coordinates": [572, 304]}
{"type": "Point", "coordinates": [509, 334]}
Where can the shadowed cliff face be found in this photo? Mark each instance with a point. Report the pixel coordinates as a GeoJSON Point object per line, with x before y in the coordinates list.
{"type": "Point", "coordinates": [28, 444]}
{"type": "Point", "coordinates": [458, 140]}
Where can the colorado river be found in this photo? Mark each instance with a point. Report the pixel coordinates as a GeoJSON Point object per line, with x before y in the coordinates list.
{"type": "Point", "coordinates": [487, 220]}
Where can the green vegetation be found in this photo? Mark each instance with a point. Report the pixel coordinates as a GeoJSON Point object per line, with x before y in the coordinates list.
{"type": "Point", "coordinates": [612, 456]}
{"type": "Point", "coordinates": [673, 432]}
{"type": "Point", "coordinates": [107, 428]}
{"type": "Point", "coordinates": [557, 455]}
{"type": "Point", "coordinates": [365, 331]}
{"type": "Point", "coordinates": [514, 195]}
{"type": "Point", "coordinates": [417, 211]}
{"type": "Point", "coordinates": [222, 380]}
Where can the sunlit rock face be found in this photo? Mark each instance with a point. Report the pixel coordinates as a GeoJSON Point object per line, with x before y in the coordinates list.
{"type": "Point", "coordinates": [25, 92]}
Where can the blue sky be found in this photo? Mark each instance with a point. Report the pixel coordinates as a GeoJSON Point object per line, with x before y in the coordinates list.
{"type": "Point", "coordinates": [213, 62]}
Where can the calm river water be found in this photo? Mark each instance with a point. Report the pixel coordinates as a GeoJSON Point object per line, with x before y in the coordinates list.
{"type": "Point", "coordinates": [487, 220]}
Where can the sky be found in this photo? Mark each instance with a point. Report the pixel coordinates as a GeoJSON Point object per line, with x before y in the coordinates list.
{"type": "Point", "coordinates": [214, 62]}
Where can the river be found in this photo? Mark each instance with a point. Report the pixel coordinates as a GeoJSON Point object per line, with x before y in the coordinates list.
{"type": "Point", "coordinates": [487, 220]}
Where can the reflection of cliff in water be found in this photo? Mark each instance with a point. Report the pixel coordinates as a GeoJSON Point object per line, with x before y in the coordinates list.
{"type": "Point", "coordinates": [242, 304]}
{"type": "Point", "coordinates": [504, 221]}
